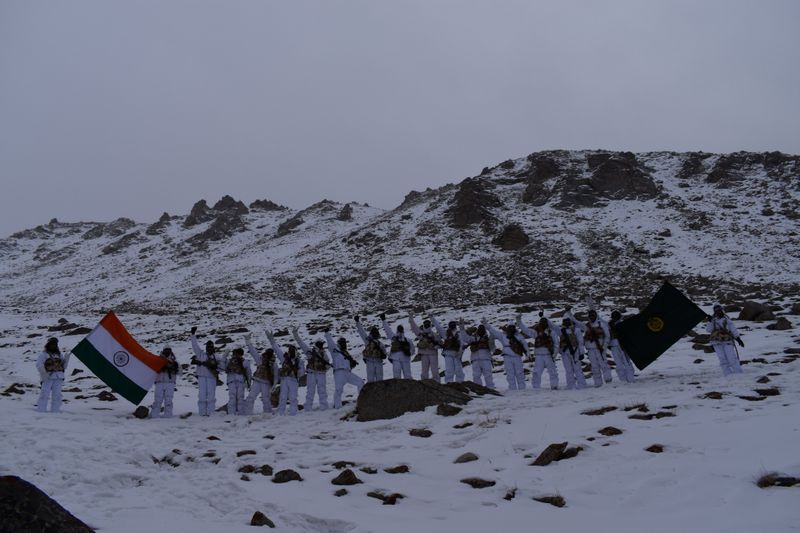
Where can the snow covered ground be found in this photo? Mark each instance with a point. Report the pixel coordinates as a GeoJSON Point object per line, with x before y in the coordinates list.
{"type": "Point", "coordinates": [98, 461]}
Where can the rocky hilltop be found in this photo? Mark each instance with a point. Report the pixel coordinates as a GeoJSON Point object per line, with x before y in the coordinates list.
{"type": "Point", "coordinates": [554, 225]}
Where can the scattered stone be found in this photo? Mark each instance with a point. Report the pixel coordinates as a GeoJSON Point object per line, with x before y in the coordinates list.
{"type": "Point", "coordinates": [570, 452]}
{"type": "Point", "coordinates": [341, 492]}
{"type": "Point", "coordinates": [23, 507]}
{"type": "Point", "coordinates": [346, 477]}
{"type": "Point", "coordinates": [756, 311]}
{"type": "Point", "coordinates": [338, 465]}
{"type": "Point", "coordinates": [259, 519]}
{"type": "Point", "coordinates": [772, 391]}
{"type": "Point", "coordinates": [651, 416]}
{"type": "Point", "coordinates": [610, 431]}
{"type": "Point", "coordinates": [245, 477]}
{"type": "Point", "coordinates": [713, 395]}
{"type": "Point", "coordinates": [510, 494]}
{"type": "Point", "coordinates": [753, 398]}
{"type": "Point", "coordinates": [478, 483]}
{"type": "Point", "coordinates": [512, 238]}
{"type": "Point", "coordinates": [391, 499]}
{"type": "Point", "coordinates": [655, 448]}
{"type": "Point", "coordinates": [212, 437]}
{"type": "Point", "coordinates": [369, 470]}
{"type": "Point", "coordinates": [556, 500]}
{"type": "Point", "coordinates": [763, 379]}
{"type": "Point", "coordinates": [697, 361]}
{"type": "Point", "coordinates": [288, 225]}
{"type": "Point", "coordinates": [773, 479]}
{"type": "Point", "coordinates": [14, 388]}
{"type": "Point", "coordinates": [466, 458]}
{"type": "Point", "coordinates": [424, 433]}
{"type": "Point", "coordinates": [399, 469]}
{"type": "Point", "coordinates": [184, 416]}
{"type": "Point", "coordinates": [247, 469]}
{"type": "Point", "coordinates": [463, 425]}
{"type": "Point", "coordinates": [641, 407]}
{"type": "Point", "coordinates": [550, 454]}
{"type": "Point", "coordinates": [105, 396]}
{"type": "Point", "coordinates": [781, 324]}
{"type": "Point", "coordinates": [141, 412]}
{"type": "Point", "coordinates": [444, 409]}
{"type": "Point", "coordinates": [599, 411]}
{"type": "Point", "coordinates": [285, 476]}
{"type": "Point", "coordinates": [345, 214]}
{"type": "Point", "coordinates": [245, 452]}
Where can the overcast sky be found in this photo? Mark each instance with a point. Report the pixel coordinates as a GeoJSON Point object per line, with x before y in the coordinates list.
{"type": "Point", "coordinates": [131, 108]}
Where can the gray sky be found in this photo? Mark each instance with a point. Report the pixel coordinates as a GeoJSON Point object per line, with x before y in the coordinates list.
{"type": "Point", "coordinates": [130, 108]}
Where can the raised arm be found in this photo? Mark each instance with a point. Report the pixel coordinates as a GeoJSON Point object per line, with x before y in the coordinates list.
{"type": "Point", "coordinates": [528, 332]}
{"type": "Point", "coordinates": [252, 349]}
{"type": "Point", "coordinates": [413, 324]}
{"type": "Point", "coordinates": [332, 346]}
{"type": "Point", "coordinates": [361, 331]}
{"type": "Point", "coordinates": [275, 346]}
{"type": "Point", "coordinates": [387, 329]}
{"type": "Point", "coordinates": [439, 329]}
{"type": "Point", "coordinates": [494, 333]}
{"type": "Point", "coordinates": [300, 342]}
{"type": "Point", "coordinates": [199, 353]}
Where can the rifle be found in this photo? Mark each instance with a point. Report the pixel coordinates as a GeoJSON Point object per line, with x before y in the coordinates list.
{"type": "Point", "coordinates": [315, 356]}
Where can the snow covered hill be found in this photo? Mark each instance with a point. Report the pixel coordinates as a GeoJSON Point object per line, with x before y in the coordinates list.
{"type": "Point", "coordinates": [555, 225]}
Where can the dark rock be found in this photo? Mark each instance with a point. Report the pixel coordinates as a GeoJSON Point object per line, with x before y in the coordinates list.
{"type": "Point", "coordinates": [713, 395]}
{"type": "Point", "coordinates": [763, 379]}
{"type": "Point", "coordinates": [399, 469]}
{"type": "Point", "coordinates": [123, 242]}
{"type": "Point", "coordinates": [105, 396]}
{"type": "Point", "coordinates": [141, 412]}
{"type": "Point", "coordinates": [796, 308]}
{"type": "Point", "coordinates": [245, 452]}
{"type": "Point", "coordinates": [158, 227]}
{"type": "Point", "coordinates": [228, 204]}
{"type": "Point", "coordinates": [200, 213]}
{"type": "Point", "coordinates": [472, 204]}
{"type": "Point", "coordinates": [345, 214]}
{"type": "Point", "coordinates": [288, 225]}
{"type": "Point", "coordinates": [550, 454]}
{"type": "Point", "coordinates": [212, 437]}
{"type": "Point", "coordinates": [369, 470]}
{"type": "Point", "coordinates": [79, 331]}
{"type": "Point", "coordinates": [478, 483]}
{"type": "Point", "coordinates": [14, 388]}
{"type": "Point", "coordinates": [23, 507]}
{"type": "Point", "coordinates": [651, 416]}
{"type": "Point", "coordinates": [466, 458]}
{"type": "Point", "coordinates": [655, 448]}
{"type": "Point", "coordinates": [346, 477]}
{"type": "Point", "coordinates": [510, 495]}
{"type": "Point", "coordinates": [619, 176]}
{"type": "Point", "coordinates": [513, 237]}
{"type": "Point", "coordinates": [463, 425]}
{"type": "Point", "coordinates": [756, 311]}
{"type": "Point", "coordinates": [338, 465]}
{"type": "Point", "coordinates": [247, 469]}
{"type": "Point", "coordinates": [610, 431]}
{"type": "Point", "coordinates": [543, 168]}
{"type": "Point", "coordinates": [424, 433]}
{"type": "Point", "coordinates": [225, 225]}
{"type": "Point", "coordinates": [266, 205]}
{"type": "Point", "coordinates": [752, 398]}
{"type": "Point", "coordinates": [665, 233]}
{"type": "Point", "coordinates": [285, 476]}
{"type": "Point", "coordinates": [599, 411]}
{"type": "Point", "coordinates": [774, 479]}
{"type": "Point", "coordinates": [556, 500]}
{"type": "Point", "coordinates": [570, 452]}
{"type": "Point", "coordinates": [341, 492]}
{"type": "Point", "coordinates": [444, 409]}
{"type": "Point", "coordinates": [259, 519]}
{"type": "Point", "coordinates": [773, 391]}
{"type": "Point", "coordinates": [391, 398]}
{"type": "Point", "coordinates": [781, 324]}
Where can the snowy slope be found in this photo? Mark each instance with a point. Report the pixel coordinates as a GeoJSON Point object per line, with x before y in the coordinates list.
{"type": "Point", "coordinates": [98, 461]}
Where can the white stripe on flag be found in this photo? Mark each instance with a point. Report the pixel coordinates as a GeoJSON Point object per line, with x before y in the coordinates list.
{"type": "Point", "coordinates": [134, 369]}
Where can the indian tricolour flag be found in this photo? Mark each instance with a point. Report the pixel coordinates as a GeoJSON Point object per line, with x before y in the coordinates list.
{"type": "Point", "coordinates": [115, 357]}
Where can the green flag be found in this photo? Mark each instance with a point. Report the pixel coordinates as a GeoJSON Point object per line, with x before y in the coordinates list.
{"type": "Point", "coordinates": [667, 318]}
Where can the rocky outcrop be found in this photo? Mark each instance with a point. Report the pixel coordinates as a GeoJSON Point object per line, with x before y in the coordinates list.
{"type": "Point", "coordinates": [472, 204]}
{"type": "Point", "coordinates": [345, 214]}
{"type": "Point", "coordinates": [756, 311]}
{"type": "Point", "coordinates": [227, 204]}
{"type": "Point", "coordinates": [543, 169]}
{"type": "Point", "coordinates": [513, 237]}
{"type": "Point", "coordinates": [391, 398]}
{"type": "Point", "coordinates": [23, 507]}
{"type": "Point", "coordinates": [113, 229]}
{"type": "Point", "coordinates": [619, 176]}
{"type": "Point", "coordinates": [266, 205]}
{"type": "Point", "coordinates": [159, 226]}
{"type": "Point", "coordinates": [200, 213]}
{"type": "Point", "coordinates": [288, 225]}
{"type": "Point", "coordinates": [225, 225]}
{"type": "Point", "coordinates": [123, 242]}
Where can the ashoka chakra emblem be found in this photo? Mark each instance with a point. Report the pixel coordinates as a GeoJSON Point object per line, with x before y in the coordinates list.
{"type": "Point", "coordinates": [121, 358]}
{"type": "Point", "coordinates": [655, 324]}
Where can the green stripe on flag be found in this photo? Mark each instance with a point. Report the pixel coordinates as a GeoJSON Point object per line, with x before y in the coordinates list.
{"type": "Point", "coordinates": [106, 371]}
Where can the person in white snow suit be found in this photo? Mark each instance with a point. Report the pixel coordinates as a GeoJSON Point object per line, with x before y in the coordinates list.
{"type": "Point", "coordinates": [207, 362]}
{"type": "Point", "coordinates": [343, 364]}
{"type": "Point", "coordinates": [165, 385]}
{"type": "Point", "coordinates": [544, 335]}
{"type": "Point", "coordinates": [238, 376]}
{"type": "Point", "coordinates": [622, 362]}
{"type": "Point", "coordinates": [452, 347]}
{"type": "Point", "coordinates": [515, 349]}
{"type": "Point", "coordinates": [291, 370]}
{"type": "Point", "coordinates": [428, 343]}
{"type": "Point", "coordinates": [481, 346]}
{"type": "Point", "coordinates": [595, 339]}
{"type": "Point", "coordinates": [51, 365]}
{"type": "Point", "coordinates": [374, 351]}
{"type": "Point", "coordinates": [265, 376]}
{"type": "Point", "coordinates": [401, 350]}
{"type": "Point", "coordinates": [722, 335]}
{"type": "Point", "coordinates": [570, 345]}
{"type": "Point", "coordinates": [317, 365]}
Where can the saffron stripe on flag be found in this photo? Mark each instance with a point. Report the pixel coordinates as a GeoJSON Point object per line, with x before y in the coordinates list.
{"type": "Point", "coordinates": [134, 368]}
{"type": "Point", "coordinates": [115, 328]}
{"type": "Point", "coordinates": [106, 371]}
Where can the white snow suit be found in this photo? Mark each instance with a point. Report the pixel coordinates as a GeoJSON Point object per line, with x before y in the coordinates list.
{"type": "Point", "coordinates": [261, 384]}
{"type": "Point", "coordinates": [622, 362]}
{"type": "Point", "coordinates": [544, 350]}
{"type": "Point", "coordinates": [316, 374]}
{"type": "Point", "coordinates": [571, 347]}
{"type": "Point", "coordinates": [512, 361]}
{"type": "Point", "coordinates": [342, 372]}
{"type": "Point", "coordinates": [237, 376]}
{"type": "Point", "coordinates": [165, 388]}
{"type": "Point", "coordinates": [401, 362]}
{"type": "Point", "coordinates": [372, 359]}
{"type": "Point", "coordinates": [480, 356]}
{"type": "Point", "coordinates": [206, 380]}
{"type": "Point", "coordinates": [428, 343]}
{"type": "Point", "coordinates": [453, 343]}
{"type": "Point", "coordinates": [595, 339]}
{"type": "Point", "coordinates": [290, 371]}
{"type": "Point", "coordinates": [51, 367]}
{"type": "Point", "coordinates": [723, 335]}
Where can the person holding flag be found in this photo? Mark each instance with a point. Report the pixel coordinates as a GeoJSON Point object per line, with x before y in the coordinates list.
{"type": "Point", "coordinates": [51, 365]}
{"type": "Point", "coordinates": [401, 350]}
{"type": "Point", "coordinates": [621, 360]}
{"type": "Point", "coordinates": [165, 385]}
{"type": "Point", "coordinates": [207, 363]}
{"type": "Point", "coordinates": [722, 335]}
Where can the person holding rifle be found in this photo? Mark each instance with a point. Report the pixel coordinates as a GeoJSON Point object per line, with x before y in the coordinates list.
{"type": "Point", "coordinates": [165, 385]}
{"type": "Point", "coordinates": [428, 343]}
{"type": "Point", "coordinates": [571, 347]}
{"type": "Point", "coordinates": [317, 365]}
{"type": "Point", "coordinates": [264, 377]}
{"type": "Point", "coordinates": [374, 351]}
{"type": "Point", "coordinates": [515, 349]}
{"type": "Point", "coordinates": [453, 342]}
{"type": "Point", "coordinates": [343, 364]}
{"type": "Point", "coordinates": [722, 334]}
{"type": "Point", "coordinates": [544, 335]}
{"type": "Point", "coordinates": [401, 349]}
{"type": "Point", "coordinates": [291, 370]}
{"type": "Point", "coordinates": [238, 377]}
{"type": "Point", "coordinates": [51, 364]}
{"type": "Point", "coordinates": [207, 374]}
